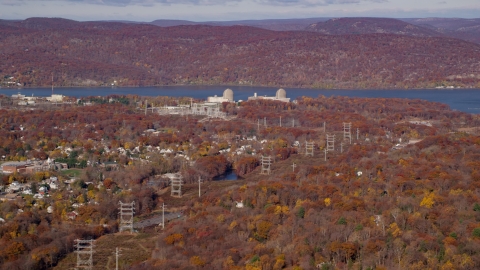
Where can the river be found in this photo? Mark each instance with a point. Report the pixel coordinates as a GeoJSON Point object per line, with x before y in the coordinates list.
{"type": "Point", "coordinates": [466, 100]}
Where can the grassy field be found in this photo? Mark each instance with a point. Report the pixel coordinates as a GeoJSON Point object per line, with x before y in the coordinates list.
{"type": "Point", "coordinates": [134, 248]}
{"type": "Point", "coordinates": [71, 173]}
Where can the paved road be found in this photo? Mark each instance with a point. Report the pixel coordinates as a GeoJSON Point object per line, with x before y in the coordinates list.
{"type": "Point", "coordinates": [156, 220]}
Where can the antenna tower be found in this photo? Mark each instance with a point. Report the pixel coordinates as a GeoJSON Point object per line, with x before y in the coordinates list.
{"type": "Point", "coordinates": [266, 162]}
{"type": "Point", "coordinates": [84, 250]}
{"type": "Point", "coordinates": [126, 212]}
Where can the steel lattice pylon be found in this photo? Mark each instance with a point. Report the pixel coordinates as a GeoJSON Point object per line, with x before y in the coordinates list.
{"type": "Point", "coordinates": [347, 131]}
{"type": "Point", "coordinates": [126, 212]}
{"type": "Point", "coordinates": [330, 142]}
{"type": "Point", "coordinates": [84, 251]}
{"type": "Point", "coordinates": [266, 162]}
{"type": "Point", "coordinates": [309, 148]}
{"type": "Point", "coordinates": [176, 183]}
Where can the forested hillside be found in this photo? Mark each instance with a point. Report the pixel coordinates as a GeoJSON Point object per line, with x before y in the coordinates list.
{"type": "Point", "coordinates": [401, 194]}
{"type": "Point", "coordinates": [101, 53]}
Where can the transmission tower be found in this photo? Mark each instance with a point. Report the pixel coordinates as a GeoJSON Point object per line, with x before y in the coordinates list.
{"type": "Point", "coordinates": [330, 142]}
{"type": "Point", "coordinates": [84, 250]}
{"type": "Point", "coordinates": [266, 162]}
{"type": "Point", "coordinates": [347, 132]}
{"type": "Point", "coordinates": [126, 212]}
{"type": "Point", "coordinates": [309, 148]}
{"type": "Point", "coordinates": [176, 185]}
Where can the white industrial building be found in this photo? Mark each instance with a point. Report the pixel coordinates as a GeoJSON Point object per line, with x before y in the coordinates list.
{"type": "Point", "coordinates": [227, 97]}
{"type": "Point", "coordinates": [281, 95]}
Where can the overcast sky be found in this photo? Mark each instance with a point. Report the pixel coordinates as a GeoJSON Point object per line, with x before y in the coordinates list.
{"type": "Point", "coordinates": [224, 10]}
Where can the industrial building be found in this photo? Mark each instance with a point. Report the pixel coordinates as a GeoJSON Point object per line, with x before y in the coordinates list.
{"type": "Point", "coordinates": [227, 97]}
{"type": "Point", "coordinates": [280, 95]}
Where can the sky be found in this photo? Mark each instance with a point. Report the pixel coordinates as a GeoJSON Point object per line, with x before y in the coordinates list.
{"type": "Point", "coordinates": [228, 10]}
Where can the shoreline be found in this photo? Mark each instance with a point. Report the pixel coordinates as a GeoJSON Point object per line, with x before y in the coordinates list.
{"type": "Point", "coordinates": [239, 86]}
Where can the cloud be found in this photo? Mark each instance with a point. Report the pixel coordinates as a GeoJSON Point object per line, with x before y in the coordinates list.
{"type": "Point", "coordinates": [315, 2]}
{"type": "Point", "coordinates": [153, 2]}
{"type": "Point", "coordinates": [123, 3]}
{"type": "Point", "coordinates": [12, 2]}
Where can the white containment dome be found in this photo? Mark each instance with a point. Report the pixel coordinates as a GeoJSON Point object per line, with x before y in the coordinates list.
{"type": "Point", "coordinates": [228, 94]}
{"type": "Point", "coordinates": [281, 93]}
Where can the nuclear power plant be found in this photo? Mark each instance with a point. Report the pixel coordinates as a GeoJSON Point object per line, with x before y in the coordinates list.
{"type": "Point", "coordinates": [227, 97]}
{"type": "Point", "coordinates": [281, 95]}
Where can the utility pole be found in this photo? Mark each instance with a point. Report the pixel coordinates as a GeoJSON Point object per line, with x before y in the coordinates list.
{"type": "Point", "coordinates": [163, 216]}
{"type": "Point", "coordinates": [199, 181]}
{"type": "Point", "coordinates": [146, 106]}
{"type": "Point", "coordinates": [52, 85]}
{"type": "Point", "coordinates": [293, 166]}
{"type": "Point", "coordinates": [326, 154]}
{"type": "Point", "coordinates": [117, 253]}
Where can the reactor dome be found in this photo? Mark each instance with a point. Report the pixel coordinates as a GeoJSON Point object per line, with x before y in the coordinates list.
{"type": "Point", "coordinates": [281, 93]}
{"type": "Point", "coordinates": [228, 94]}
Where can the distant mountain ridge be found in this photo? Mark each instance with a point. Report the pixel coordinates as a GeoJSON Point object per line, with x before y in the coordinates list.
{"type": "Point", "coordinates": [102, 53]}
{"type": "Point", "coordinates": [357, 26]}
{"type": "Point", "coordinates": [466, 29]}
